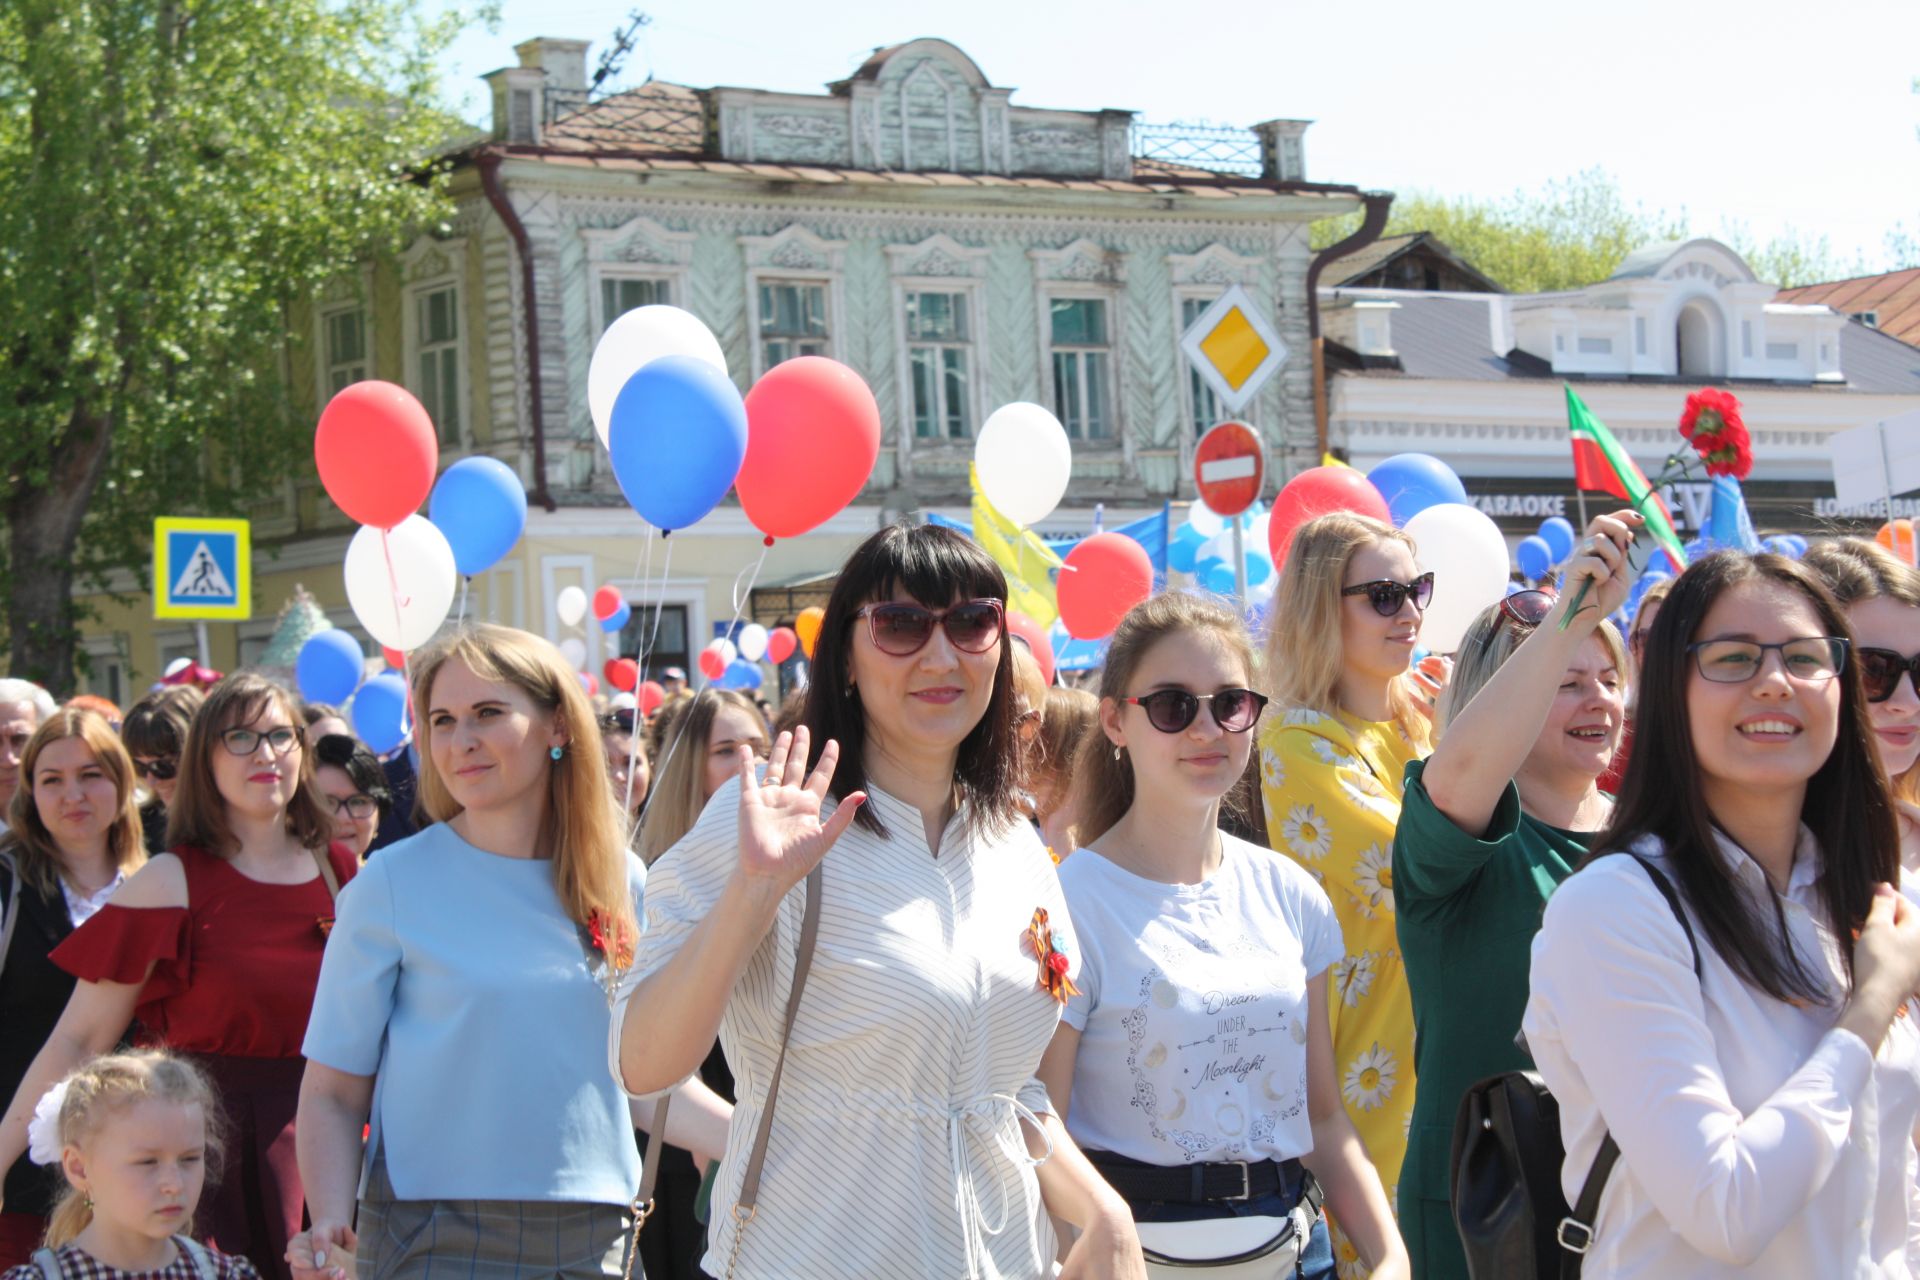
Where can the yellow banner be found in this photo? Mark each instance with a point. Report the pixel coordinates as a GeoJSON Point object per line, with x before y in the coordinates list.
{"type": "Point", "coordinates": [1022, 556]}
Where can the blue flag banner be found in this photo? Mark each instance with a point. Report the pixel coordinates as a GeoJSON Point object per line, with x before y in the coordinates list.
{"type": "Point", "coordinates": [1730, 526]}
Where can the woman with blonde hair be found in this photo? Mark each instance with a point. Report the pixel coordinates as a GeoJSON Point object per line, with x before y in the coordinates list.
{"type": "Point", "coordinates": [74, 835]}
{"type": "Point", "coordinates": [465, 994]}
{"type": "Point", "coordinates": [697, 751]}
{"type": "Point", "coordinates": [215, 947]}
{"type": "Point", "coordinates": [1345, 620]}
{"type": "Point", "coordinates": [1070, 715]}
{"type": "Point", "coordinates": [1881, 594]}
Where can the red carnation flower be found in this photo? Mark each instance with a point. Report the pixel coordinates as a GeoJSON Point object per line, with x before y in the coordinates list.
{"type": "Point", "coordinates": [1712, 423]}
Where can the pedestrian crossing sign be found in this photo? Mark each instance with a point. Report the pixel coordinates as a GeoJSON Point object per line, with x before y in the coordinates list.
{"type": "Point", "coordinates": [202, 568]}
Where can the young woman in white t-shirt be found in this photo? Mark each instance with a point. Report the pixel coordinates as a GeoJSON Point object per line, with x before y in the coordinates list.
{"type": "Point", "coordinates": [1195, 1064]}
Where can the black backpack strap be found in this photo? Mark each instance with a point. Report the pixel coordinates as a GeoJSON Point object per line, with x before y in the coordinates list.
{"type": "Point", "coordinates": [1575, 1232]}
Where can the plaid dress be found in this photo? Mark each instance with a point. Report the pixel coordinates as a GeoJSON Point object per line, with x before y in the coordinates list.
{"type": "Point", "coordinates": [76, 1265]}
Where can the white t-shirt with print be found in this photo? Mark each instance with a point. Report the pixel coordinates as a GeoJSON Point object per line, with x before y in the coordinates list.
{"type": "Point", "coordinates": [1193, 1007]}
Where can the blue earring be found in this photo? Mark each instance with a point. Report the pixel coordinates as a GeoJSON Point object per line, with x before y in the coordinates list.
{"type": "Point", "coordinates": [554, 753]}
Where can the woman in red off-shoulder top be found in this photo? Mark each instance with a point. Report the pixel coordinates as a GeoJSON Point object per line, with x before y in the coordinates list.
{"type": "Point", "coordinates": [215, 949]}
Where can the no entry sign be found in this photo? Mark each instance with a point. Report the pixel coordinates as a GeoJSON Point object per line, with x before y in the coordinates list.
{"type": "Point", "coordinates": [1229, 466]}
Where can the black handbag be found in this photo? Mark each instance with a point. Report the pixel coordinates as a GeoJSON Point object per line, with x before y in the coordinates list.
{"type": "Point", "coordinates": [1512, 1216]}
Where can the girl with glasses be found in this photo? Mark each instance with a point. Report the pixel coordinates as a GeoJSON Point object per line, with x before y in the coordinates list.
{"type": "Point", "coordinates": [909, 1133]}
{"type": "Point", "coordinates": [73, 837]}
{"type": "Point", "coordinates": [215, 947]}
{"type": "Point", "coordinates": [1346, 617]}
{"type": "Point", "coordinates": [1498, 815]}
{"type": "Point", "coordinates": [1737, 1044]}
{"type": "Point", "coordinates": [354, 788]}
{"type": "Point", "coordinates": [1195, 1062]}
{"type": "Point", "coordinates": [1881, 594]}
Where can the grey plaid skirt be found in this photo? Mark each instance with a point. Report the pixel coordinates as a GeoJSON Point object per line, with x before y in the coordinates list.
{"type": "Point", "coordinates": [487, 1239]}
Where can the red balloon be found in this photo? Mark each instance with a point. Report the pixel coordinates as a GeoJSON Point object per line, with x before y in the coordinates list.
{"type": "Point", "coordinates": [1019, 624]}
{"type": "Point", "coordinates": [650, 695]}
{"type": "Point", "coordinates": [1105, 576]}
{"type": "Point", "coordinates": [607, 602]}
{"type": "Point", "coordinates": [588, 683]}
{"type": "Point", "coordinates": [813, 433]}
{"type": "Point", "coordinates": [781, 642]}
{"type": "Point", "coordinates": [712, 665]}
{"type": "Point", "coordinates": [395, 659]}
{"type": "Point", "coordinates": [377, 452]}
{"type": "Point", "coordinates": [1316, 492]}
{"type": "Point", "coordinates": [621, 673]}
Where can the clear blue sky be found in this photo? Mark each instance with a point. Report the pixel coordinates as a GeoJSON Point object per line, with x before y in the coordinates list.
{"type": "Point", "coordinates": [1779, 114]}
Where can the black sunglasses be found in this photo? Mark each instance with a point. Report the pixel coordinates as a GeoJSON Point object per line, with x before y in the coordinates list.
{"type": "Point", "coordinates": [1172, 710]}
{"type": "Point", "coordinates": [163, 770]}
{"type": "Point", "coordinates": [972, 626]}
{"type": "Point", "coordinates": [1527, 608]}
{"type": "Point", "coordinates": [1386, 595]}
{"type": "Point", "coordinates": [1881, 669]}
{"type": "Point", "coordinates": [619, 720]}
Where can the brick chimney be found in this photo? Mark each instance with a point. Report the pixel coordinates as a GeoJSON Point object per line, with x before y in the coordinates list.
{"type": "Point", "coordinates": [564, 61]}
{"type": "Point", "coordinates": [1283, 156]}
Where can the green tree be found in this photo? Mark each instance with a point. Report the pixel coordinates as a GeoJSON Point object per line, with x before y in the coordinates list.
{"type": "Point", "coordinates": [177, 173]}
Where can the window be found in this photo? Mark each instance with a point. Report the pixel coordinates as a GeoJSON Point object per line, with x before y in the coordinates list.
{"type": "Point", "coordinates": [669, 644]}
{"type": "Point", "coordinates": [1207, 410]}
{"type": "Point", "coordinates": [939, 357]}
{"type": "Point", "coordinates": [345, 334]}
{"type": "Point", "coordinates": [1783, 351]}
{"type": "Point", "coordinates": [437, 335]}
{"type": "Point", "coordinates": [1082, 368]}
{"type": "Point", "coordinates": [1871, 319]}
{"type": "Point", "coordinates": [619, 295]}
{"type": "Point", "coordinates": [1596, 346]}
{"type": "Point", "coordinates": [793, 321]}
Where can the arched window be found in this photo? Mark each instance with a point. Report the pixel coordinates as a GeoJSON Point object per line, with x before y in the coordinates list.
{"type": "Point", "coordinates": [1700, 341]}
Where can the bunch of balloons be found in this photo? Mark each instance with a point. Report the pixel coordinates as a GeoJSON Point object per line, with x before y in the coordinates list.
{"type": "Point", "coordinates": [1539, 553]}
{"type": "Point", "coordinates": [1203, 547]}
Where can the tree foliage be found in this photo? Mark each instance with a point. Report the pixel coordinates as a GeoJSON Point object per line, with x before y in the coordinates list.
{"type": "Point", "coordinates": [1577, 230]}
{"type": "Point", "coordinates": [177, 173]}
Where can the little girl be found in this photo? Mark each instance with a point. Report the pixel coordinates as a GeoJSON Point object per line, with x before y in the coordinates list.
{"type": "Point", "coordinates": [130, 1131]}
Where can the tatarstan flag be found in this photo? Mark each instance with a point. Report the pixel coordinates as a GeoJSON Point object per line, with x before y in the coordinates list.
{"type": "Point", "coordinates": [1601, 462]}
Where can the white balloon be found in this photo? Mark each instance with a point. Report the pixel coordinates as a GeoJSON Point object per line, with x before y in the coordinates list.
{"type": "Point", "coordinates": [574, 650]}
{"type": "Point", "coordinates": [571, 605]}
{"type": "Point", "coordinates": [402, 612]}
{"type": "Point", "coordinates": [1468, 557]}
{"type": "Point", "coordinates": [1205, 520]}
{"type": "Point", "coordinates": [636, 338]}
{"type": "Point", "coordinates": [724, 647]}
{"type": "Point", "coordinates": [1024, 462]}
{"type": "Point", "coordinates": [1219, 547]}
{"type": "Point", "coordinates": [753, 642]}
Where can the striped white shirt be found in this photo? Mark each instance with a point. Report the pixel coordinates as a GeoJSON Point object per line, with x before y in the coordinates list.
{"type": "Point", "coordinates": [896, 1147]}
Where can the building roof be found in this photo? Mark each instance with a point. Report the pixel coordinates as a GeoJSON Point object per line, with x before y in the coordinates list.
{"type": "Point", "coordinates": [1893, 297]}
{"type": "Point", "coordinates": [1370, 258]}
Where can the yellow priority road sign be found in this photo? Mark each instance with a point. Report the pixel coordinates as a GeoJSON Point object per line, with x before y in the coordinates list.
{"type": "Point", "coordinates": [1234, 348]}
{"type": "Point", "coordinates": [202, 568]}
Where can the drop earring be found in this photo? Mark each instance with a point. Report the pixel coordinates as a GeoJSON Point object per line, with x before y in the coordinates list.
{"type": "Point", "coordinates": [1116, 753]}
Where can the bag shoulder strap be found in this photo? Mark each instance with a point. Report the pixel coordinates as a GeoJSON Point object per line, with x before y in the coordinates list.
{"type": "Point", "coordinates": [16, 889]}
{"type": "Point", "coordinates": [203, 1264]}
{"type": "Point", "coordinates": [328, 876]}
{"type": "Point", "coordinates": [49, 1263]}
{"type": "Point", "coordinates": [1575, 1232]}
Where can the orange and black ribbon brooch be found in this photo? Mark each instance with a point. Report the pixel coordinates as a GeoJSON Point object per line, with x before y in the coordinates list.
{"type": "Point", "coordinates": [1050, 949]}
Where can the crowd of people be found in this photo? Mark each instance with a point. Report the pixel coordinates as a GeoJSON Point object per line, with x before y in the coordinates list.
{"type": "Point", "coordinates": [941, 970]}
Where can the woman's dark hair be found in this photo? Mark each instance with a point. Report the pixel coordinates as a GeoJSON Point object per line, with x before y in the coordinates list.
{"type": "Point", "coordinates": [936, 566]}
{"type": "Point", "coordinates": [1848, 807]}
{"type": "Point", "coordinates": [354, 758]}
{"type": "Point", "coordinates": [156, 726]}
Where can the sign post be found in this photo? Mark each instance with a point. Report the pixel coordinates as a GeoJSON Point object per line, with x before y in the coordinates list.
{"type": "Point", "coordinates": [1229, 468]}
{"type": "Point", "coordinates": [202, 570]}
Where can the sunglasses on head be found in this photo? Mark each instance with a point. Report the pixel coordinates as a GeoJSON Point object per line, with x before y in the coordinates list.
{"type": "Point", "coordinates": [619, 720]}
{"type": "Point", "coordinates": [160, 770]}
{"type": "Point", "coordinates": [1386, 595]}
{"type": "Point", "coordinates": [1172, 710]}
{"type": "Point", "coordinates": [1527, 608]}
{"type": "Point", "coordinates": [1881, 669]}
{"type": "Point", "coordinates": [972, 626]}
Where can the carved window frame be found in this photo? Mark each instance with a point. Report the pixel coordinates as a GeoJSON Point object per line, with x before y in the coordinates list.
{"type": "Point", "coordinates": [799, 255]}
{"type": "Point", "coordinates": [939, 264]}
{"type": "Point", "coordinates": [614, 254]}
{"type": "Point", "coordinates": [417, 280]}
{"type": "Point", "coordinates": [1086, 269]}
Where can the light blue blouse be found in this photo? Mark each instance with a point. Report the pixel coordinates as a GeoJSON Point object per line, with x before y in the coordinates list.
{"type": "Point", "coordinates": [455, 979]}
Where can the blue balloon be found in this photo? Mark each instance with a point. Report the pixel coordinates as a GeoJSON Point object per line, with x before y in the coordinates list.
{"type": "Point", "coordinates": [378, 711]}
{"type": "Point", "coordinates": [329, 666]}
{"type": "Point", "coordinates": [1534, 557]}
{"type": "Point", "coordinates": [1201, 568]}
{"type": "Point", "coordinates": [481, 507]}
{"type": "Point", "coordinates": [1219, 578]}
{"type": "Point", "coordinates": [1559, 537]}
{"type": "Point", "coordinates": [1797, 544]}
{"type": "Point", "coordinates": [1259, 568]}
{"type": "Point", "coordinates": [614, 622]}
{"type": "Point", "coordinates": [676, 438]}
{"type": "Point", "coordinates": [1412, 482]}
{"type": "Point", "coordinates": [741, 674]}
{"type": "Point", "coordinates": [1181, 550]}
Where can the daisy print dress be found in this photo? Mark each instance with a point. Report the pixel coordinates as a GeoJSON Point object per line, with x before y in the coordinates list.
{"type": "Point", "coordinates": [1331, 786]}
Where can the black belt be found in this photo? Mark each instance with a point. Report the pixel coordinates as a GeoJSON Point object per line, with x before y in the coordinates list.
{"type": "Point", "coordinates": [1233, 1180]}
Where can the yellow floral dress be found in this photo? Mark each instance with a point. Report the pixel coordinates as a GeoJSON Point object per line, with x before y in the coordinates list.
{"type": "Point", "coordinates": [1331, 786]}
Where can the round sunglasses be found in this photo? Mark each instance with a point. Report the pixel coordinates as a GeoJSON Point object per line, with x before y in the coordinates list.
{"type": "Point", "coordinates": [1172, 710]}
{"type": "Point", "coordinates": [1881, 669]}
{"type": "Point", "coordinates": [902, 630]}
{"type": "Point", "coordinates": [1386, 595]}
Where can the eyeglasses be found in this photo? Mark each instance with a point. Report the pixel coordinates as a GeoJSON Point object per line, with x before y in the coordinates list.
{"type": "Point", "coordinates": [161, 770]}
{"type": "Point", "coordinates": [1172, 710]}
{"type": "Point", "coordinates": [358, 807]}
{"type": "Point", "coordinates": [1386, 594]}
{"type": "Point", "coordinates": [244, 742]}
{"type": "Point", "coordinates": [973, 626]}
{"type": "Point", "coordinates": [1881, 669]}
{"type": "Point", "coordinates": [619, 720]}
{"type": "Point", "coordinates": [1811, 658]}
{"type": "Point", "coordinates": [1527, 608]}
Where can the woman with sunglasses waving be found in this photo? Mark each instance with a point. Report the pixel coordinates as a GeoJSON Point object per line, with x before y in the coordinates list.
{"type": "Point", "coordinates": [1497, 816]}
{"type": "Point", "coordinates": [1195, 1062]}
{"type": "Point", "coordinates": [1881, 593]}
{"type": "Point", "coordinates": [1346, 617]}
{"type": "Point", "coordinates": [216, 947]}
{"type": "Point", "coordinates": [890, 1122]}
{"type": "Point", "coordinates": [1713, 993]}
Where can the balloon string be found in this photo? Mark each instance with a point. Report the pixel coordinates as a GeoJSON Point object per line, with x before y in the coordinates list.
{"type": "Point", "coordinates": [393, 593]}
{"type": "Point", "coordinates": [466, 583]}
{"type": "Point", "coordinates": [641, 567]}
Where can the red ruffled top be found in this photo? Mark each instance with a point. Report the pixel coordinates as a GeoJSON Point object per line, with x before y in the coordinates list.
{"type": "Point", "coordinates": [233, 971]}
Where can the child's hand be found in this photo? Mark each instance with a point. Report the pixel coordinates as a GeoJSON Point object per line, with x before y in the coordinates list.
{"type": "Point", "coordinates": [323, 1253]}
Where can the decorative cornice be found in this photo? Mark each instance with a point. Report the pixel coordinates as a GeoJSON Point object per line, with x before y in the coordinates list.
{"type": "Point", "coordinates": [795, 248]}
{"type": "Point", "coordinates": [639, 239]}
{"type": "Point", "coordinates": [1081, 262]}
{"type": "Point", "coordinates": [937, 255]}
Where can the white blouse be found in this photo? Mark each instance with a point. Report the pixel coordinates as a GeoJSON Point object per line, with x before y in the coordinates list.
{"type": "Point", "coordinates": [896, 1147]}
{"type": "Point", "coordinates": [1756, 1137]}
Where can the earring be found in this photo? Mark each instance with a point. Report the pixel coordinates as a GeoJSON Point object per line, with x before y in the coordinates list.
{"type": "Point", "coordinates": [847, 692]}
{"type": "Point", "coordinates": [554, 753]}
{"type": "Point", "coordinates": [86, 1201]}
{"type": "Point", "coordinates": [1116, 753]}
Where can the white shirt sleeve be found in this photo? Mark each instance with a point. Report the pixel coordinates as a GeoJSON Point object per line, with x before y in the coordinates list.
{"type": "Point", "coordinates": [1613, 978]}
